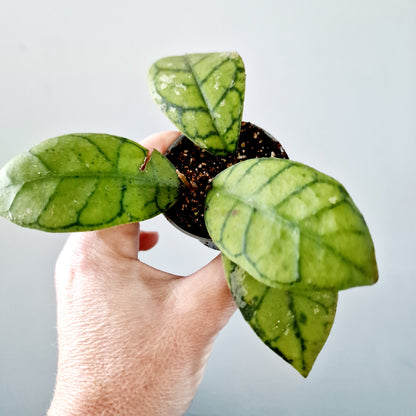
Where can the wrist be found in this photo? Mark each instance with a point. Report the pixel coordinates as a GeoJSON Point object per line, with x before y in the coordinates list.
{"type": "Point", "coordinates": [68, 401]}
{"type": "Point", "coordinates": [117, 400]}
{"type": "Point", "coordinates": [76, 398]}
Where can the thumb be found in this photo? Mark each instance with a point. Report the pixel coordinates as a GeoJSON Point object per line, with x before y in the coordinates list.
{"type": "Point", "coordinates": [208, 289]}
{"type": "Point", "coordinates": [121, 241]}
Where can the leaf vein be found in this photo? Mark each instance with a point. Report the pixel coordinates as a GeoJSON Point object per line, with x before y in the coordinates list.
{"type": "Point", "coordinates": [96, 146]}
{"type": "Point", "coordinates": [41, 160]}
{"type": "Point", "coordinates": [199, 84]}
{"type": "Point", "coordinates": [293, 224]}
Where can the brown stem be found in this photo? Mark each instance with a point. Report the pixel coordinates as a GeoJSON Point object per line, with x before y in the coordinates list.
{"type": "Point", "coordinates": [191, 186]}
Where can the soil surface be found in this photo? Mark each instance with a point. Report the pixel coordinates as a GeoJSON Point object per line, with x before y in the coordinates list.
{"type": "Point", "coordinates": [197, 168]}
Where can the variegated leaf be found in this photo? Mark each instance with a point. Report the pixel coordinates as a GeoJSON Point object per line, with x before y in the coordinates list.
{"type": "Point", "coordinates": [83, 182]}
{"type": "Point", "coordinates": [203, 96]}
{"type": "Point", "coordinates": [286, 223]}
{"type": "Point", "coordinates": [293, 323]}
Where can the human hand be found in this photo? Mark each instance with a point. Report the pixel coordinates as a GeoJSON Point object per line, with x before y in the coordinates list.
{"type": "Point", "coordinates": [132, 340]}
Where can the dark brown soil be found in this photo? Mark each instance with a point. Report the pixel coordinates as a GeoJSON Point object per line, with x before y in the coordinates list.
{"type": "Point", "coordinates": [197, 168]}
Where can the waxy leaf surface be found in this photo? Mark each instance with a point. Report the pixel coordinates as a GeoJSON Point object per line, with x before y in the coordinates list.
{"type": "Point", "coordinates": [293, 323]}
{"type": "Point", "coordinates": [203, 95]}
{"type": "Point", "coordinates": [85, 181]}
{"type": "Point", "coordinates": [288, 224]}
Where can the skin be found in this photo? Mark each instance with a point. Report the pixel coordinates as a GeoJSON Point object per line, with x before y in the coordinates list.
{"type": "Point", "coordinates": [133, 340]}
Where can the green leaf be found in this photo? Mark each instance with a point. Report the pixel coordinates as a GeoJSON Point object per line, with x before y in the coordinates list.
{"type": "Point", "coordinates": [293, 323]}
{"type": "Point", "coordinates": [288, 224]}
{"type": "Point", "coordinates": [83, 182]}
{"type": "Point", "coordinates": [203, 95]}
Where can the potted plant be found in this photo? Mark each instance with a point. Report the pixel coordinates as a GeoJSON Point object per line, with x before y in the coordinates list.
{"type": "Point", "coordinates": [290, 236]}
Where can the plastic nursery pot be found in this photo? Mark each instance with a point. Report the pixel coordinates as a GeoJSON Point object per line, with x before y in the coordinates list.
{"type": "Point", "coordinates": [197, 168]}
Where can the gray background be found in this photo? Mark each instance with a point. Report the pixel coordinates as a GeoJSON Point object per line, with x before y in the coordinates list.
{"type": "Point", "coordinates": [334, 80]}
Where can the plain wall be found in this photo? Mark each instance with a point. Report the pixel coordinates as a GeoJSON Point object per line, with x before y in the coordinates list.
{"type": "Point", "coordinates": [333, 80]}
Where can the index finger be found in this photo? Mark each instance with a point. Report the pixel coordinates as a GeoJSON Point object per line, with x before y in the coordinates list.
{"type": "Point", "coordinates": [160, 141]}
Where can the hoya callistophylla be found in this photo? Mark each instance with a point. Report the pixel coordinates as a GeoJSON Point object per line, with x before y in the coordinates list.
{"type": "Point", "coordinates": [294, 323]}
{"type": "Point", "coordinates": [290, 236]}
{"type": "Point", "coordinates": [85, 182]}
{"type": "Point", "coordinates": [203, 95]}
{"type": "Point", "coordinates": [315, 235]}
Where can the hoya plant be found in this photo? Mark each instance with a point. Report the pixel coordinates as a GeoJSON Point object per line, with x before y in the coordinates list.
{"type": "Point", "coordinates": [290, 236]}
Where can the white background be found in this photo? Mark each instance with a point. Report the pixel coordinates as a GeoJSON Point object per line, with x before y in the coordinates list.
{"type": "Point", "coordinates": [335, 81]}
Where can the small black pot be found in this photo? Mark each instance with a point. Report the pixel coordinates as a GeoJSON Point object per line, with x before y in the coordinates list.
{"type": "Point", "coordinates": [197, 168]}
